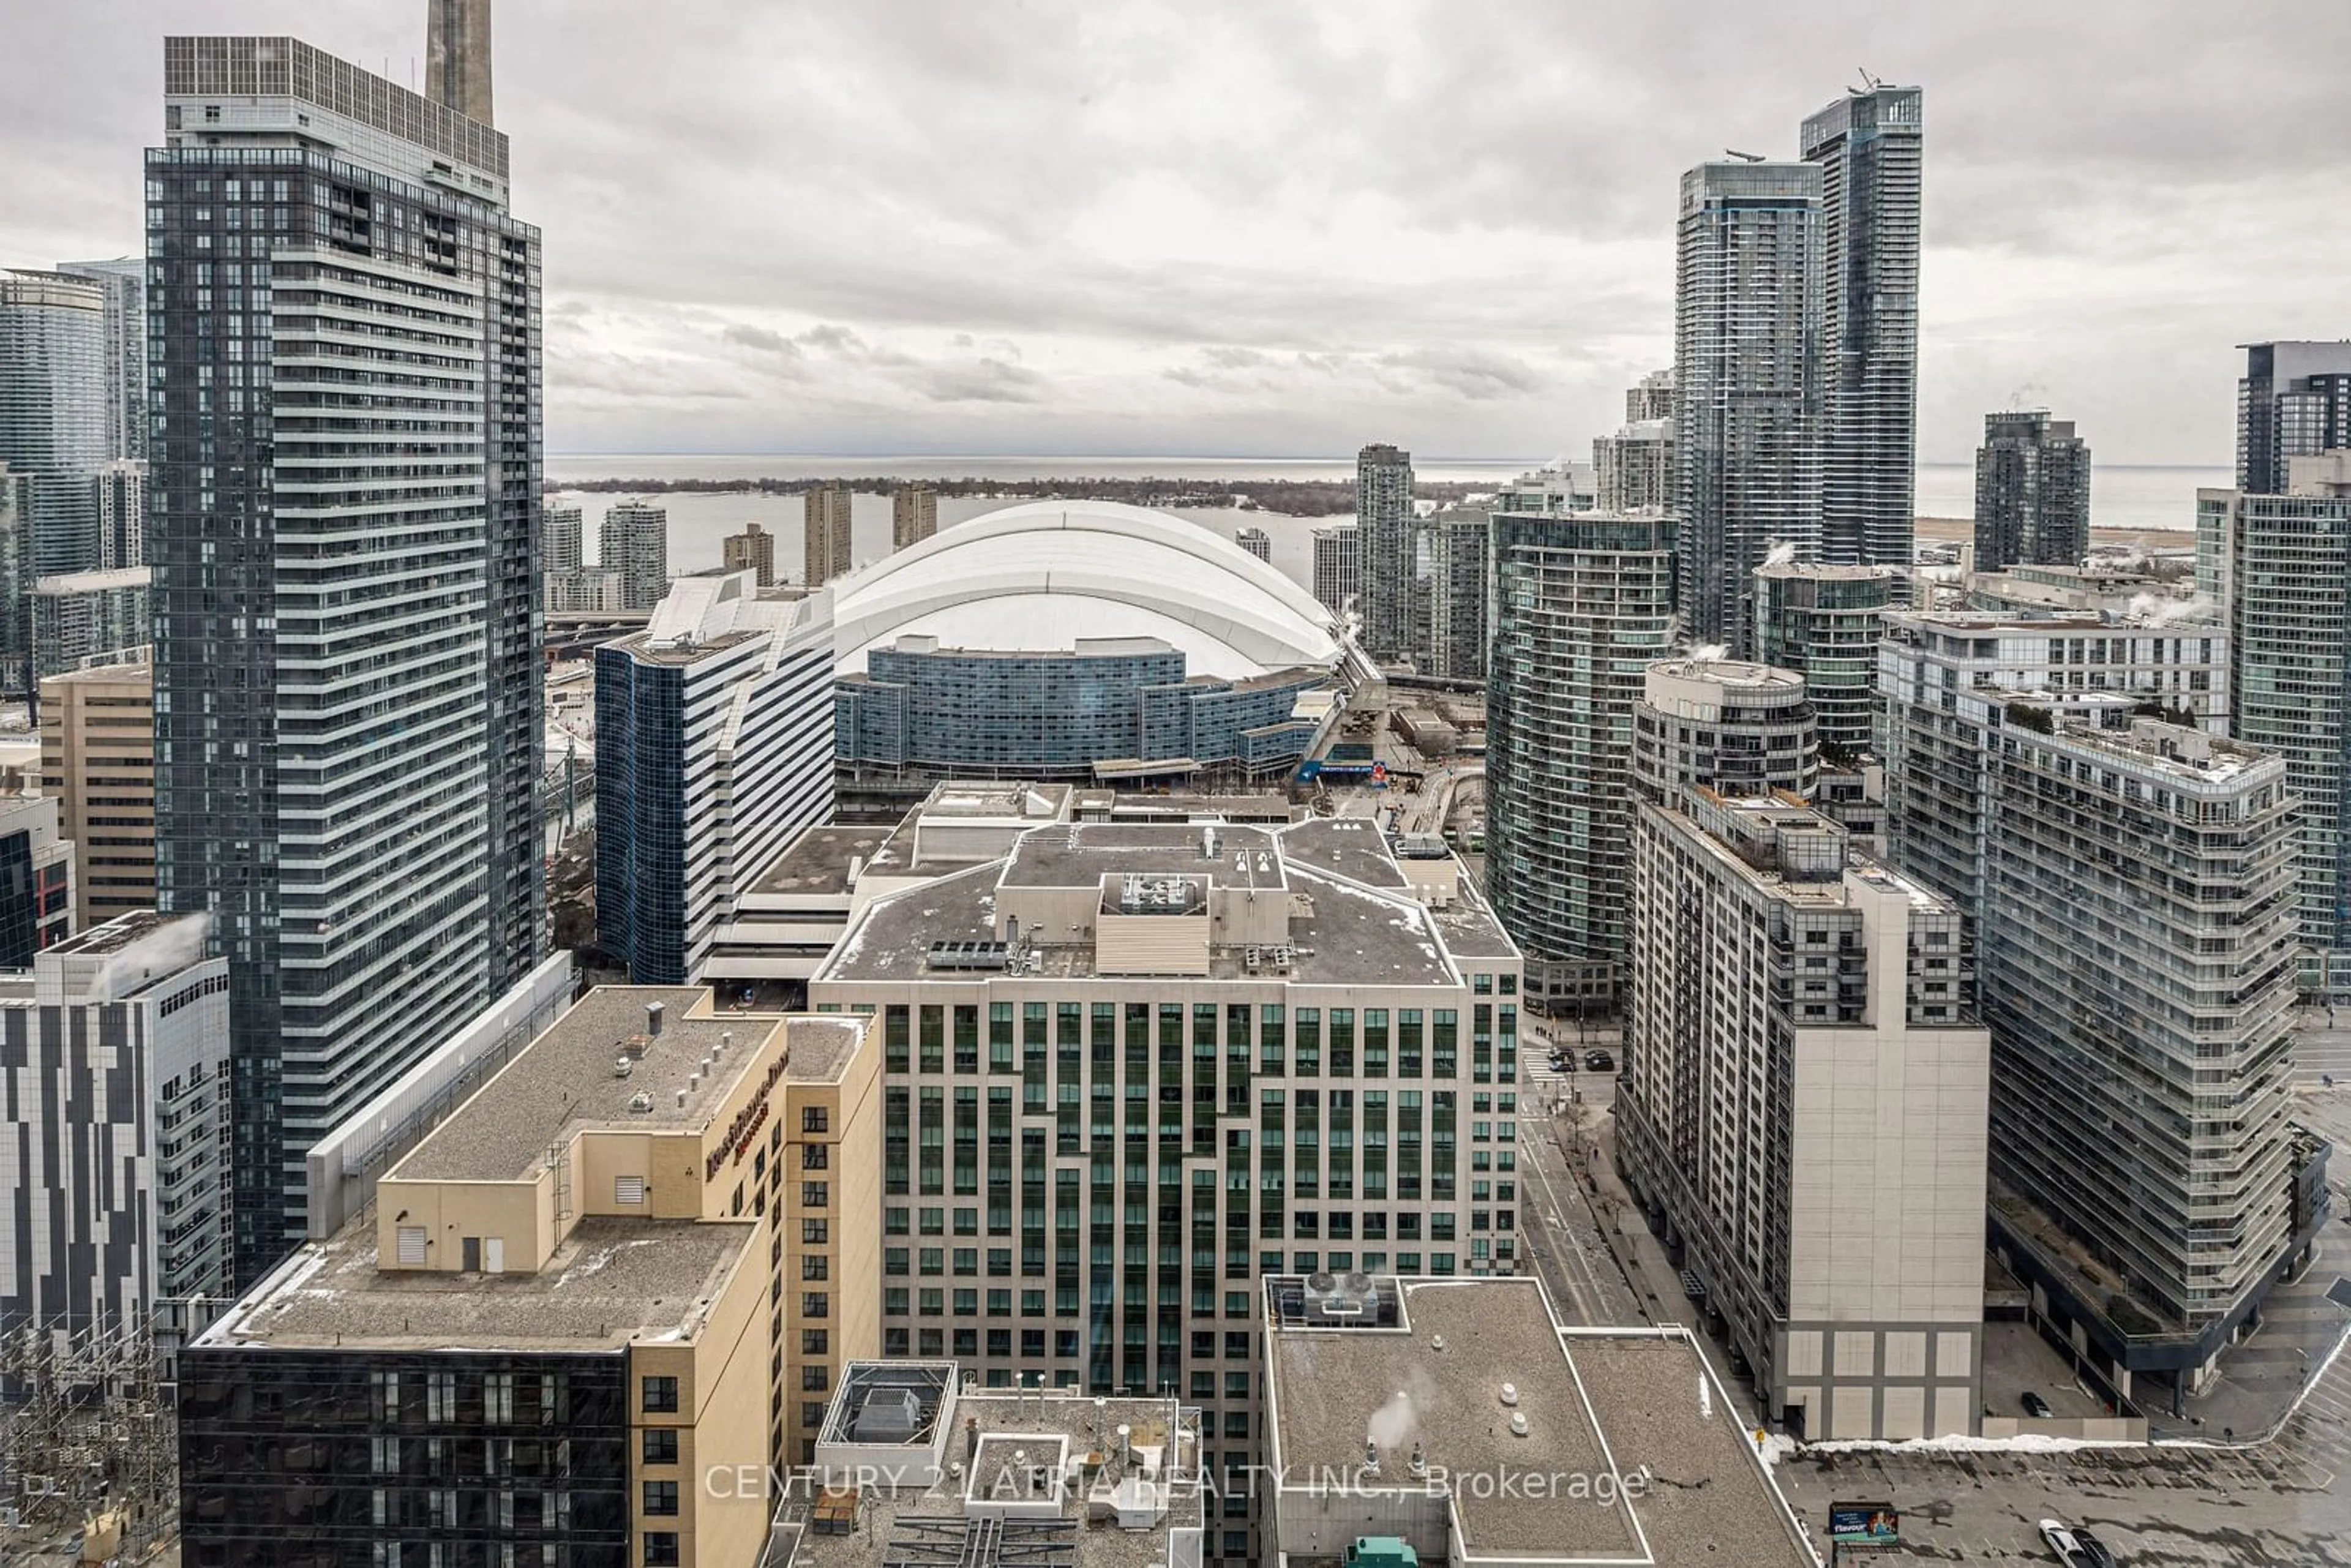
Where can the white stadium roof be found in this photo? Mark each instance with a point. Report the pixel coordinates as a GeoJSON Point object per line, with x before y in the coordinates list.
{"type": "Point", "coordinates": [1041, 576]}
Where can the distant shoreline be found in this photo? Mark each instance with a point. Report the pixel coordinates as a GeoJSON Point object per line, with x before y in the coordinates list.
{"type": "Point", "coordinates": [1284, 497]}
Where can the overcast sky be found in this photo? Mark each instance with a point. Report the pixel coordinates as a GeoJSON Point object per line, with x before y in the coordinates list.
{"type": "Point", "coordinates": [1088, 227]}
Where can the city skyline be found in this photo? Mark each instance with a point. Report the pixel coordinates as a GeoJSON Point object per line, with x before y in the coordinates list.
{"type": "Point", "coordinates": [1155, 284]}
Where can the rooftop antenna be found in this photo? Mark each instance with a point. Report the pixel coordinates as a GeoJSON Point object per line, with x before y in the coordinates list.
{"type": "Point", "coordinates": [1869, 82]}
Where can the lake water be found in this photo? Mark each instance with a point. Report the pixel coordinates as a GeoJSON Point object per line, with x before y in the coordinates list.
{"type": "Point", "coordinates": [2137, 499]}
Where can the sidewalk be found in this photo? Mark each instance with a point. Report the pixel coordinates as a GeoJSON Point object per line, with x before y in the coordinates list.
{"type": "Point", "coordinates": [2264, 1380]}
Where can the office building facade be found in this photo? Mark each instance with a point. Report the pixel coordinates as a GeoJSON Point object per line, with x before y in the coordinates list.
{"type": "Point", "coordinates": [1387, 539]}
{"type": "Point", "coordinates": [1821, 621]}
{"type": "Point", "coordinates": [2281, 566]}
{"type": "Point", "coordinates": [1746, 370]}
{"type": "Point", "coordinates": [1801, 1110]}
{"type": "Point", "coordinates": [2032, 492]}
{"type": "Point", "coordinates": [36, 879]}
{"type": "Point", "coordinates": [826, 546]}
{"type": "Point", "coordinates": [2137, 943]}
{"type": "Point", "coordinates": [1128, 1069]}
{"type": "Point", "coordinates": [1582, 605]}
{"type": "Point", "coordinates": [116, 1128]}
{"type": "Point", "coordinates": [364, 831]}
{"type": "Point", "coordinates": [752, 550]}
{"type": "Point", "coordinates": [914, 515]}
{"type": "Point", "coordinates": [1870, 146]}
{"type": "Point", "coordinates": [98, 762]}
{"type": "Point", "coordinates": [2293, 401]}
{"type": "Point", "coordinates": [636, 1259]}
{"type": "Point", "coordinates": [1338, 566]}
{"type": "Point", "coordinates": [711, 732]}
{"type": "Point", "coordinates": [636, 544]}
{"type": "Point", "coordinates": [124, 281]}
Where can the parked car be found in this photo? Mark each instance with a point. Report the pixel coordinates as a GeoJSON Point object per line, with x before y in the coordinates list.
{"type": "Point", "coordinates": [2095, 1553]}
{"type": "Point", "coordinates": [2063, 1543]}
{"type": "Point", "coordinates": [2035, 1406]}
{"type": "Point", "coordinates": [1599, 1061]}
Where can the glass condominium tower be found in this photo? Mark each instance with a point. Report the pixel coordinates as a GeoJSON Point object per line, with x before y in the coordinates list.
{"type": "Point", "coordinates": [1869, 146]}
{"type": "Point", "coordinates": [345, 328]}
{"type": "Point", "coordinates": [1747, 328]}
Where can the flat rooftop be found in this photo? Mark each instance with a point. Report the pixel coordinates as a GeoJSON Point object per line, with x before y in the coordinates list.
{"type": "Point", "coordinates": [1082, 854]}
{"type": "Point", "coordinates": [816, 863]}
{"type": "Point", "coordinates": [117, 934]}
{"type": "Point", "coordinates": [1684, 1483]}
{"type": "Point", "coordinates": [911, 1522]}
{"type": "Point", "coordinates": [1351, 847]}
{"type": "Point", "coordinates": [612, 1282]}
{"type": "Point", "coordinates": [564, 1080]}
{"type": "Point", "coordinates": [1340, 933]}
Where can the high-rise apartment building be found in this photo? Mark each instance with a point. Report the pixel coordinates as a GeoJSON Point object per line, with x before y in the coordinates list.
{"type": "Point", "coordinates": [1129, 1069]}
{"type": "Point", "coordinates": [1636, 469]}
{"type": "Point", "coordinates": [1747, 369]}
{"type": "Point", "coordinates": [562, 539]}
{"type": "Point", "coordinates": [713, 737]}
{"type": "Point", "coordinates": [87, 618]}
{"type": "Point", "coordinates": [1460, 560]}
{"type": "Point", "coordinates": [752, 550]}
{"type": "Point", "coordinates": [1821, 621]}
{"type": "Point", "coordinates": [635, 1259]}
{"type": "Point", "coordinates": [2293, 401]}
{"type": "Point", "coordinates": [1387, 539]}
{"type": "Point", "coordinates": [124, 280]}
{"type": "Point", "coordinates": [349, 739]}
{"type": "Point", "coordinates": [1256, 541]}
{"type": "Point", "coordinates": [1650, 398]}
{"type": "Point", "coordinates": [119, 491]}
{"type": "Point", "coordinates": [1870, 145]}
{"type": "Point", "coordinates": [97, 762]}
{"type": "Point", "coordinates": [1737, 729]}
{"type": "Point", "coordinates": [2032, 492]}
{"type": "Point", "coordinates": [1583, 604]}
{"type": "Point", "coordinates": [584, 590]}
{"type": "Point", "coordinates": [1337, 564]}
{"type": "Point", "coordinates": [2281, 567]}
{"type": "Point", "coordinates": [54, 419]}
{"type": "Point", "coordinates": [116, 1047]}
{"type": "Point", "coordinates": [826, 550]}
{"type": "Point", "coordinates": [914, 515]}
{"type": "Point", "coordinates": [2136, 941]}
{"type": "Point", "coordinates": [636, 544]}
{"type": "Point", "coordinates": [1803, 1102]}
{"type": "Point", "coordinates": [1933, 723]}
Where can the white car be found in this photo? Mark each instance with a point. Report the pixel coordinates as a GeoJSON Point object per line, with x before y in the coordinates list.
{"type": "Point", "coordinates": [2061, 1542]}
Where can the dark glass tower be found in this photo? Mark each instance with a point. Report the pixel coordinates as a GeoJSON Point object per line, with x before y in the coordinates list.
{"type": "Point", "coordinates": [1388, 543]}
{"type": "Point", "coordinates": [2293, 401]}
{"type": "Point", "coordinates": [2032, 492]}
{"type": "Point", "coordinates": [1747, 332]}
{"type": "Point", "coordinates": [344, 502]}
{"type": "Point", "coordinates": [1869, 146]}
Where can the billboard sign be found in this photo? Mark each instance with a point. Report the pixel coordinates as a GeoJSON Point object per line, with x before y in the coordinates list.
{"type": "Point", "coordinates": [1864, 1525]}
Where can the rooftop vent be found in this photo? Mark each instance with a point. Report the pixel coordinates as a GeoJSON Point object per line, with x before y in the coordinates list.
{"type": "Point", "coordinates": [640, 1104]}
{"type": "Point", "coordinates": [624, 1064]}
{"type": "Point", "coordinates": [654, 1011]}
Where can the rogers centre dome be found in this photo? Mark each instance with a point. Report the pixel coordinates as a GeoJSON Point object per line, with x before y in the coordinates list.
{"type": "Point", "coordinates": [1046, 574]}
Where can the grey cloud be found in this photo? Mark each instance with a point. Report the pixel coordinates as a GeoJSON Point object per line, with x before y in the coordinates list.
{"type": "Point", "coordinates": [761, 339]}
{"type": "Point", "coordinates": [982, 380]}
{"type": "Point", "coordinates": [1218, 221]}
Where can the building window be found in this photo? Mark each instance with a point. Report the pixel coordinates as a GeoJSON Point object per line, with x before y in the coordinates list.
{"type": "Point", "coordinates": [816, 1266]}
{"type": "Point", "coordinates": [815, 1119]}
{"type": "Point", "coordinates": [817, 1232]}
{"type": "Point", "coordinates": [661, 1446]}
{"type": "Point", "coordinates": [816, 1156]}
{"type": "Point", "coordinates": [814, 1341]}
{"type": "Point", "coordinates": [815, 1195]}
{"type": "Point", "coordinates": [660, 1499]}
{"type": "Point", "coordinates": [660, 1549]}
{"type": "Point", "coordinates": [661, 1396]}
{"type": "Point", "coordinates": [812, 1379]}
{"type": "Point", "coordinates": [816, 1304]}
